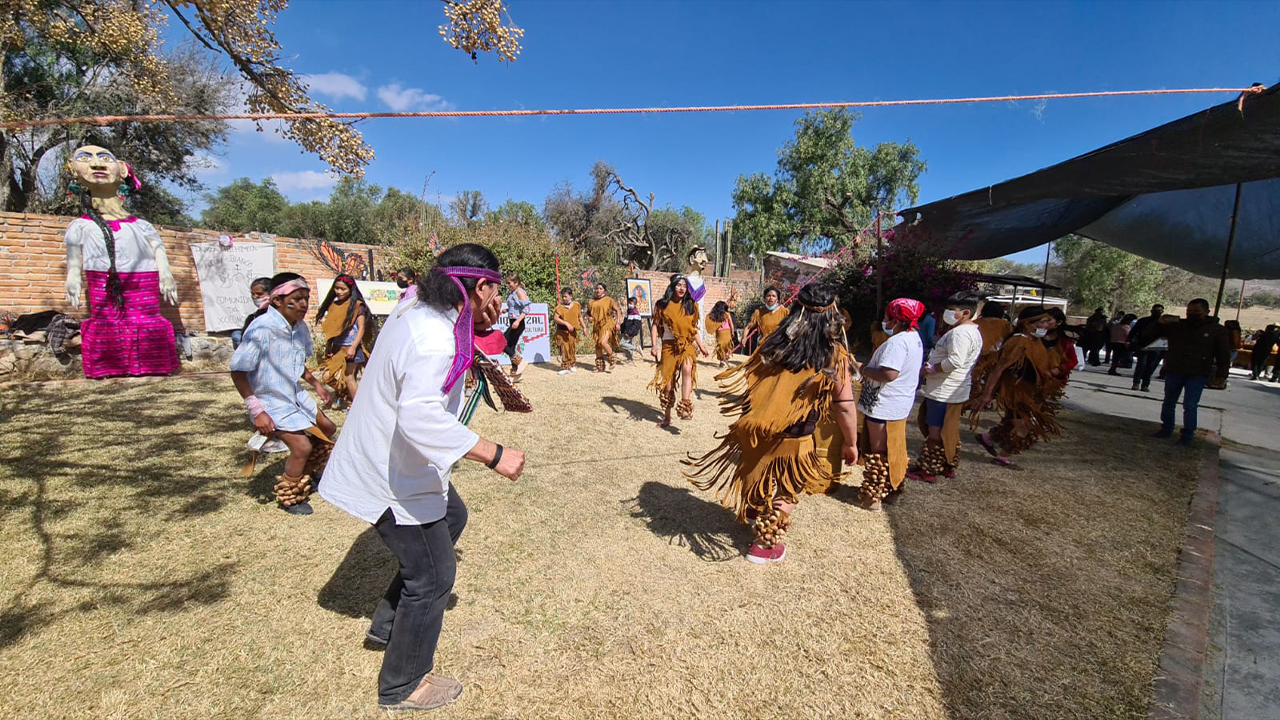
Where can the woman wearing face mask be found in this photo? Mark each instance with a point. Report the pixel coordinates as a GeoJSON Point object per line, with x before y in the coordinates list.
{"type": "Point", "coordinates": [392, 465]}
{"type": "Point", "coordinates": [407, 281]}
{"type": "Point", "coordinates": [889, 383]}
{"type": "Point", "coordinates": [260, 291]}
{"type": "Point", "coordinates": [946, 383]}
{"type": "Point", "coordinates": [265, 369]}
{"type": "Point", "coordinates": [1023, 387]}
{"type": "Point", "coordinates": [767, 319]}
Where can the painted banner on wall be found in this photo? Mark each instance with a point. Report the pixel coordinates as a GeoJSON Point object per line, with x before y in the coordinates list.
{"type": "Point", "coordinates": [381, 297]}
{"type": "Point", "coordinates": [535, 341]}
{"type": "Point", "coordinates": [224, 274]}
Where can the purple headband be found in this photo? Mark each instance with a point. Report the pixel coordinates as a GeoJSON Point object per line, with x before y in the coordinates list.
{"type": "Point", "coordinates": [463, 330]}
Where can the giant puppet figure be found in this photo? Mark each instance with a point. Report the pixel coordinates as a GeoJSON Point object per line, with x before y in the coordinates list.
{"type": "Point", "coordinates": [697, 257]}
{"type": "Point", "coordinates": [125, 273]}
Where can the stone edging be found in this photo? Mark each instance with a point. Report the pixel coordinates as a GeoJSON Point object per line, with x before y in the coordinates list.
{"type": "Point", "coordinates": [1178, 686]}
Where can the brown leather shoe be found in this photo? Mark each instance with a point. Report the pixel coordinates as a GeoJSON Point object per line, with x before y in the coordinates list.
{"type": "Point", "coordinates": [433, 692]}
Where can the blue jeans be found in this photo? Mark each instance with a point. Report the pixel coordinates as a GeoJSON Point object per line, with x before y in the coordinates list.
{"type": "Point", "coordinates": [1174, 383]}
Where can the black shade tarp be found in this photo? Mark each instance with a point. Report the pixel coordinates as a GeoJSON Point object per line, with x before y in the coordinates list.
{"type": "Point", "coordinates": [1165, 194]}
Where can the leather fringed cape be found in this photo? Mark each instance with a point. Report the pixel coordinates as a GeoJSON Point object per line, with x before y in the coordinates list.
{"type": "Point", "coordinates": [769, 452]}
{"type": "Point", "coordinates": [1027, 406]}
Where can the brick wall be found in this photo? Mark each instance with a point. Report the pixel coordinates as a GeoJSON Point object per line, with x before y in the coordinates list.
{"type": "Point", "coordinates": [747, 284]}
{"type": "Point", "coordinates": [33, 266]}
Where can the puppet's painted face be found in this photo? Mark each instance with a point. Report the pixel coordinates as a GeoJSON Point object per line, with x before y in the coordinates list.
{"type": "Point", "coordinates": [698, 259]}
{"type": "Point", "coordinates": [97, 167]}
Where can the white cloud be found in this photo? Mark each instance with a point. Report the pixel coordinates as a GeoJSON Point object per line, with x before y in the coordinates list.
{"type": "Point", "coordinates": [303, 180]}
{"type": "Point", "coordinates": [336, 85]}
{"type": "Point", "coordinates": [403, 99]}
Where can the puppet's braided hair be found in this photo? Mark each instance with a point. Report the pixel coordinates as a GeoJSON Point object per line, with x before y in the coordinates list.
{"type": "Point", "coordinates": [115, 288]}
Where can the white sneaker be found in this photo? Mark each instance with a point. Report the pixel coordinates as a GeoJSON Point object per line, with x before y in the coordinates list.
{"type": "Point", "coordinates": [573, 369]}
{"type": "Point", "coordinates": [563, 372]}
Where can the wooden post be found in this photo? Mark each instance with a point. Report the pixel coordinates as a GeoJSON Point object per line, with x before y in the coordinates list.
{"type": "Point", "coordinates": [719, 254]}
{"type": "Point", "coordinates": [1240, 302]}
{"type": "Point", "coordinates": [1226, 260]}
{"type": "Point", "coordinates": [1048, 250]}
{"type": "Point", "coordinates": [728, 248]}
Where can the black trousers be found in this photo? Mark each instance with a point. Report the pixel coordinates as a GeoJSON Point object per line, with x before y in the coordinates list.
{"type": "Point", "coordinates": [1259, 360]}
{"type": "Point", "coordinates": [411, 612]}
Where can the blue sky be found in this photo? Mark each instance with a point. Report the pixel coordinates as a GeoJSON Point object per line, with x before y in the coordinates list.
{"type": "Point", "coordinates": [375, 55]}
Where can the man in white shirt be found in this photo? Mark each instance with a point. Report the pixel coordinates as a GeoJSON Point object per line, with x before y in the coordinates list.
{"type": "Point", "coordinates": [391, 464]}
{"type": "Point", "coordinates": [946, 384]}
{"type": "Point", "coordinates": [889, 382]}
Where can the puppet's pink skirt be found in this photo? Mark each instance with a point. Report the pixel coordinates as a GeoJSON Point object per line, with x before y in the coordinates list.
{"type": "Point", "coordinates": [132, 340]}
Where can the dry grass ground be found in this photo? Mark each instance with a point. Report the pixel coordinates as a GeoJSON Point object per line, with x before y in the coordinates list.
{"type": "Point", "coordinates": [141, 578]}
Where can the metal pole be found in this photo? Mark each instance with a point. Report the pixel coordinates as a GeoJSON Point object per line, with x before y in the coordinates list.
{"type": "Point", "coordinates": [1240, 302]}
{"type": "Point", "coordinates": [1226, 260]}
{"type": "Point", "coordinates": [1048, 250]}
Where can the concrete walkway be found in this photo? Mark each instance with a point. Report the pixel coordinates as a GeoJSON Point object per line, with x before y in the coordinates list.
{"type": "Point", "coordinates": [1242, 674]}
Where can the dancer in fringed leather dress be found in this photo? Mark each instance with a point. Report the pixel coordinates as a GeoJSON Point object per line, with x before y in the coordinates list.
{"type": "Point", "coordinates": [1024, 387]}
{"type": "Point", "coordinates": [676, 347]}
{"type": "Point", "coordinates": [801, 375]}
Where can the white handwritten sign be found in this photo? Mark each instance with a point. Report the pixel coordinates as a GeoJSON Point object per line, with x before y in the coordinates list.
{"type": "Point", "coordinates": [224, 274]}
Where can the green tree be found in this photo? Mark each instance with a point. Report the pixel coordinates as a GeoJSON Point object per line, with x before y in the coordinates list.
{"type": "Point", "coordinates": [518, 212]}
{"type": "Point", "coordinates": [350, 213]}
{"type": "Point", "coordinates": [244, 206]}
{"type": "Point", "coordinates": [306, 220]}
{"type": "Point", "coordinates": [826, 187]}
{"type": "Point", "coordinates": [1099, 275]}
{"type": "Point", "coordinates": [468, 207]}
{"type": "Point", "coordinates": [77, 80]}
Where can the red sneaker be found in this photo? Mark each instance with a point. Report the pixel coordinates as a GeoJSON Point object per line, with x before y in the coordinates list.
{"type": "Point", "coordinates": [761, 555]}
{"type": "Point", "coordinates": [922, 476]}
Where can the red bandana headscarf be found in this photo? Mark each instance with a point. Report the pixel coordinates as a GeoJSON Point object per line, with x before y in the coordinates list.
{"type": "Point", "coordinates": [906, 310]}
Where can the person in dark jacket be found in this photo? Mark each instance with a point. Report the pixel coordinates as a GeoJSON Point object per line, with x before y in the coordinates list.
{"type": "Point", "coordinates": [1261, 352]}
{"type": "Point", "coordinates": [1198, 345]}
{"type": "Point", "coordinates": [1142, 335]}
{"type": "Point", "coordinates": [1095, 337]}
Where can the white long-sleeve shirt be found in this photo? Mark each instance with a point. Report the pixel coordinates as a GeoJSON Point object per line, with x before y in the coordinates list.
{"type": "Point", "coordinates": [954, 357]}
{"type": "Point", "coordinates": [402, 435]}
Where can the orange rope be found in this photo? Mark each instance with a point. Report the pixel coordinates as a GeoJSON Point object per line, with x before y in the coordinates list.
{"type": "Point", "coordinates": [105, 119]}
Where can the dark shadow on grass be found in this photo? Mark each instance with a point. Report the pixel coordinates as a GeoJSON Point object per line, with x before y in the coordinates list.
{"type": "Point", "coordinates": [682, 518]}
{"type": "Point", "coordinates": [635, 410]}
{"type": "Point", "coordinates": [361, 578]}
{"type": "Point", "coordinates": [115, 441]}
